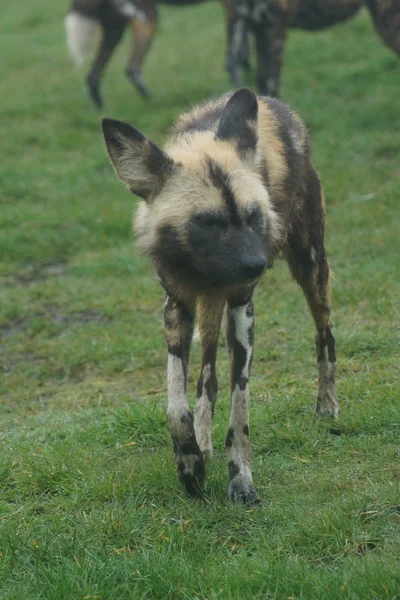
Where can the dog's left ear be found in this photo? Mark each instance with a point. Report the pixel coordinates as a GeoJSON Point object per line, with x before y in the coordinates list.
{"type": "Point", "coordinates": [239, 123]}
{"type": "Point", "coordinates": [138, 162]}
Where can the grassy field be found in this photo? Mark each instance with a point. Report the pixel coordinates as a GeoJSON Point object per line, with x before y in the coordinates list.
{"type": "Point", "coordinates": [90, 506]}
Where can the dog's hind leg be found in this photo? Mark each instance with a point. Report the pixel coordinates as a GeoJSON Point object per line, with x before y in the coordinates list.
{"type": "Point", "coordinates": [386, 18]}
{"type": "Point", "coordinates": [112, 30]}
{"type": "Point", "coordinates": [178, 321]}
{"type": "Point", "coordinates": [143, 33]}
{"type": "Point", "coordinates": [270, 42]}
{"type": "Point", "coordinates": [210, 315]}
{"type": "Point", "coordinates": [306, 257]}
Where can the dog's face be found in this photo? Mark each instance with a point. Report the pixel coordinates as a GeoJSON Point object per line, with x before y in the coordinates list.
{"type": "Point", "coordinates": [206, 217]}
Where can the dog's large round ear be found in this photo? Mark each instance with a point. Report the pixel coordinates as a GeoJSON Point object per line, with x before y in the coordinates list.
{"type": "Point", "coordinates": [138, 162]}
{"type": "Point", "coordinates": [239, 122]}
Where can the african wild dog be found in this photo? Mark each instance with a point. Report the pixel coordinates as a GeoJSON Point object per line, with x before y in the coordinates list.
{"type": "Point", "coordinates": [269, 20]}
{"type": "Point", "coordinates": [113, 16]}
{"type": "Point", "coordinates": [234, 186]}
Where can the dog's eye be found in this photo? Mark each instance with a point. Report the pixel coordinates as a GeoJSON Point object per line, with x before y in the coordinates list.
{"type": "Point", "coordinates": [210, 221]}
{"type": "Point", "coordinates": [254, 218]}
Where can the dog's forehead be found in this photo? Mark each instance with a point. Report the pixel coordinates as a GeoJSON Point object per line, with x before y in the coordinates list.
{"type": "Point", "coordinates": [194, 151]}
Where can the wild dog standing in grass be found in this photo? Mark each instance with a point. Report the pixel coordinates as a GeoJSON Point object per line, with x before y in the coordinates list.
{"type": "Point", "coordinates": [270, 19]}
{"type": "Point", "coordinates": [114, 16]}
{"type": "Point", "coordinates": [234, 186]}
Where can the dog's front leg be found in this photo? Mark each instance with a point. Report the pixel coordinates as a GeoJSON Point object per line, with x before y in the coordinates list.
{"type": "Point", "coordinates": [178, 321]}
{"type": "Point", "coordinates": [210, 310]}
{"type": "Point", "coordinates": [240, 335]}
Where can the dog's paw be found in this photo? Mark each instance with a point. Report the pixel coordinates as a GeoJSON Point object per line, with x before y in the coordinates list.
{"type": "Point", "coordinates": [242, 491]}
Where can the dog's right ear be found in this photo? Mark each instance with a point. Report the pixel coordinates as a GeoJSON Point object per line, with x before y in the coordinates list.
{"type": "Point", "coordinates": [138, 162]}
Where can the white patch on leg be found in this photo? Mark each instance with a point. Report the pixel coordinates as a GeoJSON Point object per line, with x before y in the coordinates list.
{"type": "Point", "coordinates": [313, 255]}
{"type": "Point", "coordinates": [177, 402]}
{"type": "Point", "coordinates": [81, 35]}
{"type": "Point", "coordinates": [242, 326]}
{"type": "Point", "coordinates": [327, 405]}
{"type": "Point", "coordinates": [129, 10]}
{"type": "Point", "coordinates": [203, 417]}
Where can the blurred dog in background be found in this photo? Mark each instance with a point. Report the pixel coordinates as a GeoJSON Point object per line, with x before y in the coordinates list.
{"type": "Point", "coordinates": [268, 20]}
{"type": "Point", "coordinates": [114, 16]}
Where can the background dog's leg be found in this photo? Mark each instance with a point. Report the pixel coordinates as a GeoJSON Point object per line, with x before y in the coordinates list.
{"type": "Point", "coordinates": [240, 336]}
{"type": "Point", "coordinates": [237, 40]}
{"type": "Point", "coordinates": [210, 315]}
{"type": "Point", "coordinates": [242, 53]}
{"type": "Point", "coordinates": [308, 264]}
{"type": "Point", "coordinates": [270, 43]}
{"type": "Point", "coordinates": [386, 18]}
{"type": "Point", "coordinates": [179, 320]}
{"type": "Point", "coordinates": [111, 35]}
{"type": "Point", "coordinates": [143, 33]}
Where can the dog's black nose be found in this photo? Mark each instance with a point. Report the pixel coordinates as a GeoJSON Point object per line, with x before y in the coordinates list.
{"type": "Point", "coordinates": [253, 267]}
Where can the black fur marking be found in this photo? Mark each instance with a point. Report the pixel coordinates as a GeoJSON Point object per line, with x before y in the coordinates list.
{"type": "Point", "coordinates": [239, 357]}
{"type": "Point", "coordinates": [200, 386]}
{"type": "Point", "coordinates": [255, 219]}
{"type": "Point", "coordinates": [189, 446]}
{"type": "Point", "coordinates": [238, 121]}
{"type": "Point", "coordinates": [242, 382]}
{"type": "Point", "coordinates": [250, 335]}
{"type": "Point", "coordinates": [324, 340]}
{"type": "Point", "coordinates": [233, 469]}
{"type": "Point", "coordinates": [246, 430]}
{"type": "Point", "coordinates": [313, 15]}
{"type": "Point", "coordinates": [175, 350]}
{"type": "Point", "coordinates": [286, 121]}
{"type": "Point", "coordinates": [331, 346]}
{"type": "Point", "coordinates": [141, 192]}
{"type": "Point", "coordinates": [157, 161]}
{"type": "Point", "coordinates": [229, 438]}
{"type": "Point", "coordinates": [116, 131]}
{"type": "Point", "coordinates": [220, 180]}
{"type": "Point", "coordinates": [206, 122]}
{"type": "Point", "coordinates": [187, 418]}
{"type": "Point", "coordinates": [241, 298]}
{"type": "Point", "coordinates": [211, 220]}
{"type": "Point", "coordinates": [171, 251]}
{"type": "Point", "coordinates": [211, 387]}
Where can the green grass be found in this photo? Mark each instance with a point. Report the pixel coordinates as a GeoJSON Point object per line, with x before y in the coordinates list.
{"type": "Point", "coordinates": [89, 503]}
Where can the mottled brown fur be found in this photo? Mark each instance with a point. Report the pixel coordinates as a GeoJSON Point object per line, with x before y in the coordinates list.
{"type": "Point", "coordinates": [234, 187]}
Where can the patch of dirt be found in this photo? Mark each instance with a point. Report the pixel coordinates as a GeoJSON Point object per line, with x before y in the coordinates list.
{"type": "Point", "coordinates": [56, 317]}
{"type": "Point", "coordinates": [81, 316]}
{"type": "Point", "coordinates": [36, 272]}
{"type": "Point", "coordinates": [11, 328]}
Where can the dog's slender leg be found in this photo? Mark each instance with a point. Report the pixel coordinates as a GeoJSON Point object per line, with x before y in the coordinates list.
{"type": "Point", "coordinates": [210, 315]}
{"type": "Point", "coordinates": [270, 43]}
{"type": "Point", "coordinates": [240, 336]}
{"type": "Point", "coordinates": [238, 36]}
{"type": "Point", "coordinates": [143, 32]}
{"type": "Point", "coordinates": [309, 266]}
{"type": "Point", "coordinates": [242, 53]}
{"type": "Point", "coordinates": [386, 18]}
{"type": "Point", "coordinates": [178, 321]}
{"type": "Point", "coordinates": [111, 35]}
